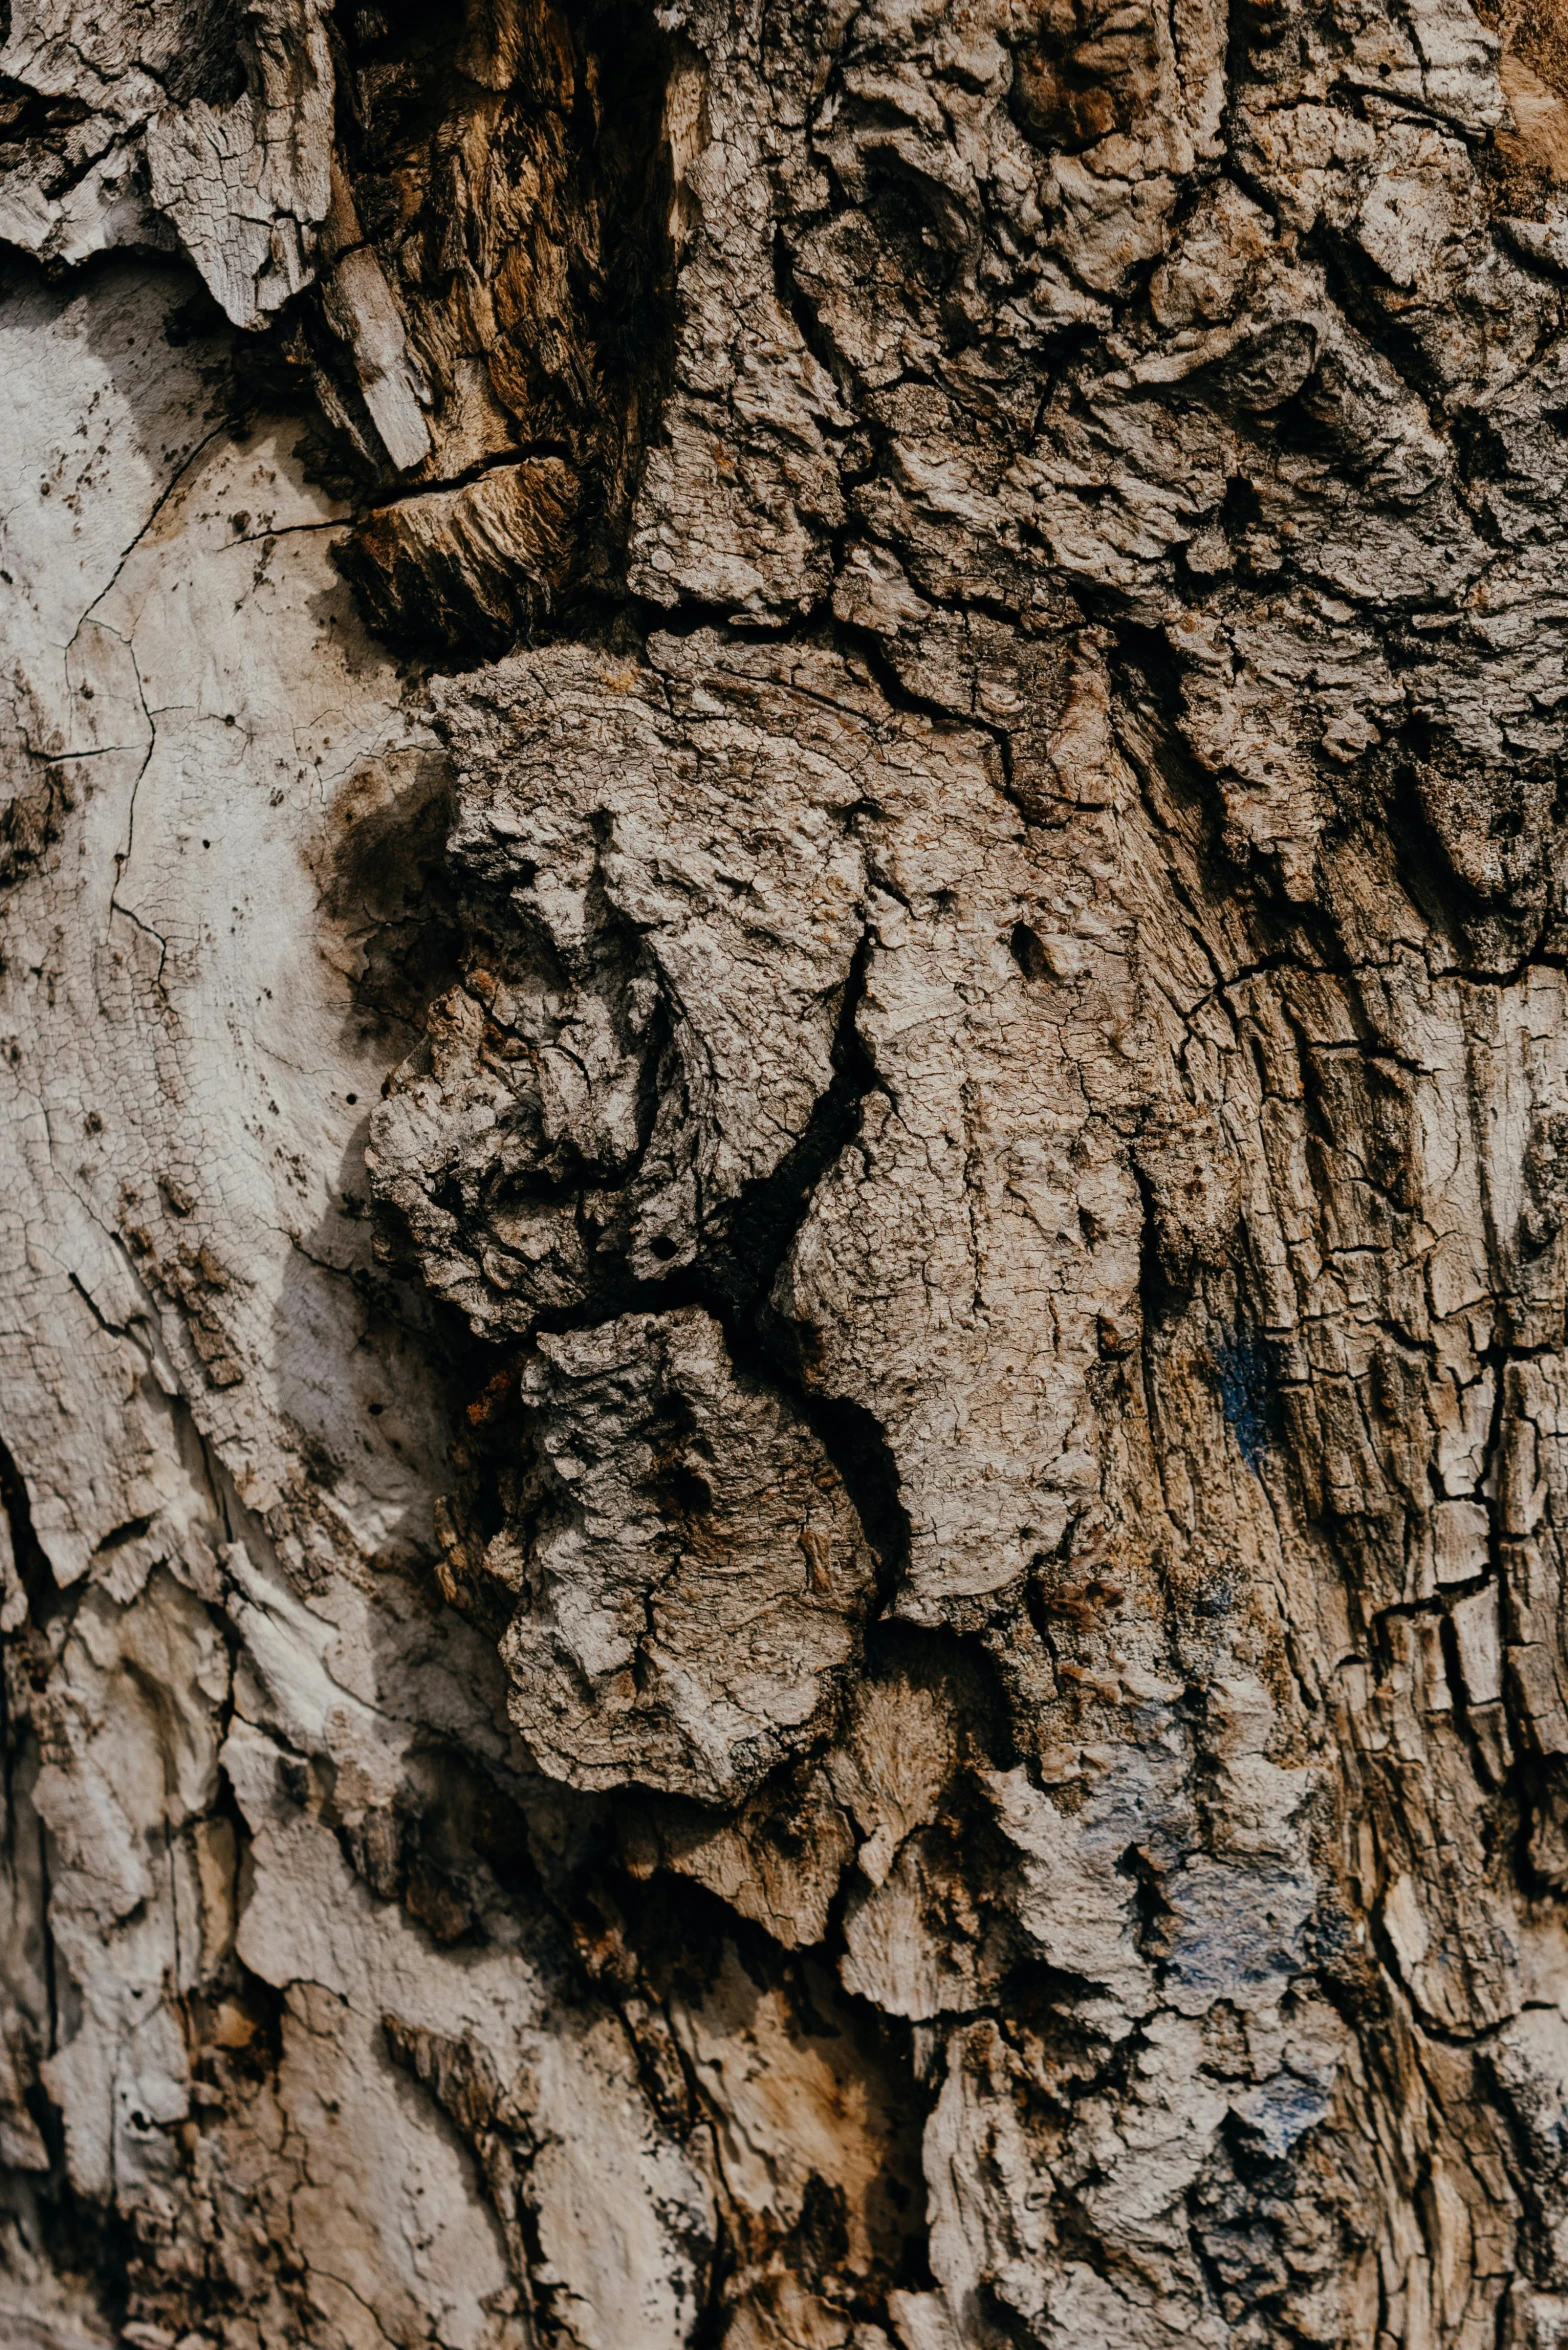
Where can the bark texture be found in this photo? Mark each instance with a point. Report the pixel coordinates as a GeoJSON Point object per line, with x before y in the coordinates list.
{"type": "Point", "coordinates": [784, 1088]}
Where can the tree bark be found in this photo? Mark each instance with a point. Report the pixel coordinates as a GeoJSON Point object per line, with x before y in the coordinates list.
{"type": "Point", "coordinates": [785, 1061]}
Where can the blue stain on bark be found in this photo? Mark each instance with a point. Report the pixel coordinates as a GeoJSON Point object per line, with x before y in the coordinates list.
{"type": "Point", "coordinates": [1246, 1378]}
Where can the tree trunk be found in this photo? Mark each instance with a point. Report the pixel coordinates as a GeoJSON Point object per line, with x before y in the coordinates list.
{"type": "Point", "coordinates": [785, 1062]}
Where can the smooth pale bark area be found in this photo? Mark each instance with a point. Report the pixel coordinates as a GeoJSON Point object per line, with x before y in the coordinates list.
{"type": "Point", "coordinates": [784, 1048]}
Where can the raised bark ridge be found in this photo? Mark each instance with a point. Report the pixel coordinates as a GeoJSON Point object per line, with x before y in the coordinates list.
{"type": "Point", "coordinates": [786, 1123]}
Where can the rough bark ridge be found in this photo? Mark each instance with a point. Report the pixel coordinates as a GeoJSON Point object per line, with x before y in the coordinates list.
{"type": "Point", "coordinates": [784, 1397]}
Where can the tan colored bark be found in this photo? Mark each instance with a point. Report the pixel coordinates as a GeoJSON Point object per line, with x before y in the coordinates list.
{"type": "Point", "coordinates": [785, 1073]}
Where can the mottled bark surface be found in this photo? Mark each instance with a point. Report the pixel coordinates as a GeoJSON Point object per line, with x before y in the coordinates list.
{"type": "Point", "coordinates": [784, 1047]}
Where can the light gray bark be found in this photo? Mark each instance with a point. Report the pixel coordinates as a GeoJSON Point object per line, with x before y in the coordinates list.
{"type": "Point", "coordinates": [784, 1047]}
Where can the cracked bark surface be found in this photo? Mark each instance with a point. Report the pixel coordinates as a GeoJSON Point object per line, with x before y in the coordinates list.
{"type": "Point", "coordinates": [784, 1046]}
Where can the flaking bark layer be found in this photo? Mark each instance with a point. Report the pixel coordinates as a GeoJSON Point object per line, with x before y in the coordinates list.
{"type": "Point", "coordinates": [784, 1045]}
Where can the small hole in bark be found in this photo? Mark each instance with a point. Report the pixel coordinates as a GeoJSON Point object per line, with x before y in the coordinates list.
{"type": "Point", "coordinates": [1242, 509]}
{"type": "Point", "coordinates": [690, 1493]}
{"type": "Point", "coordinates": [132, 1531]}
{"type": "Point", "coordinates": [1027, 952]}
